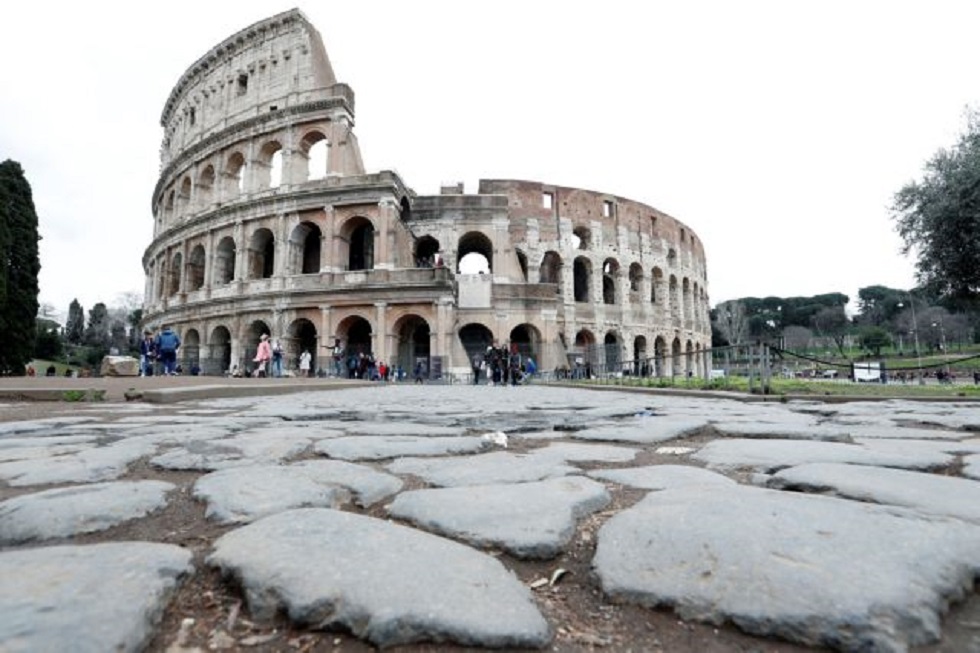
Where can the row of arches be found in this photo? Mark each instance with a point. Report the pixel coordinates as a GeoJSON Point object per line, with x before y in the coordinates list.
{"type": "Point", "coordinates": [234, 174]}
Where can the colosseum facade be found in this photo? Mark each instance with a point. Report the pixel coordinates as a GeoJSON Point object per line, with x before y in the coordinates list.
{"type": "Point", "coordinates": [265, 221]}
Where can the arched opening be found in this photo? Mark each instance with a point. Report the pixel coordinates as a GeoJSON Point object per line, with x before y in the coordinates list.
{"type": "Point", "coordinates": [412, 335]}
{"type": "Point", "coordinates": [358, 235]}
{"type": "Point", "coordinates": [636, 280]}
{"type": "Point", "coordinates": [304, 248]}
{"type": "Point", "coordinates": [610, 269]}
{"type": "Point", "coordinates": [300, 336]}
{"type": "Point", "coordinates": [190, 352]}
{"type": "Point", "coordinates": [316, 148]}
{"type": "Point", "coordinates": [584, 355]}
{"type": "Point", "coordinates": [205, 187]}
{"type": "Point", "coordinates": [581, 238]}
{"type": "Point", "coordinates": [219, 352]}
{"type": "Point", "coordinates": [195, 268]}
{"type": "Point", "coordinates": [641, 366]}
{"type": "Point", "coordinates": [675, 357]}
{"type": "Point", "coordinates": [406, 210]}
{"type": "Point", "coordinates": [224, 261]}
{"type": "Point", "coordinates": [689, 358]}
{"type": "Point", "coordinates": [426, 249]}
{"type": "Point", "coordinates": [522, 261]}
{"type": "Point", "coordinates": [474, 251]}
{"type": "Point", "coordinates": [583, 278]}
{"type": "Point", "coordinates": [175, 269]}
{"type": "Point", "coordinates": [261, 254]}
{"type": "Point", "coordinates": [355, 333]}
{"type": "Point", "coordinates": [611, 353]}
{"type": "Point", "coordinates": [659, 356]}
{"type": "Point", "coordinates": [184, 197]}
{"type": "Point", "coordinates": [656, 280]}
{"type": "Point", "coordinates": [550, 271]}
{"type": "Point", "coordinates": [235, 174]}
{"type": "Point", "coordinates": [528, 341]}
{"type": "Point", "coordinates": [268, 172]}
{"type": "Point", "coordinates": [475, 339]}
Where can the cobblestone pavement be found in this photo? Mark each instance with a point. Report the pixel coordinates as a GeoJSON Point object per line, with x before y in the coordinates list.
{"type": "Point", "coordinates": [349, 517]}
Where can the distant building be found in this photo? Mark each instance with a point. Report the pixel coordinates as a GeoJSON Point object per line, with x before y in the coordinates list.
{"type": "Point", "coordinates": [265, 221]}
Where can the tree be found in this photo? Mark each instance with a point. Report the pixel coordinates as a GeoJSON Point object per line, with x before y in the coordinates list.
{"type": "Point", "coordinates": [939, 218]}
{"type": "Point", "coordinates": [98, 331]}
{"type": "Point", "coordinates": [48, 345]}
{"type": "Point", "coordinates": [873, 338]}
{"type": "Point", "coordinates": [75, 327]}
{"type": "Point", "coordinates": [797, 338]}
{"type": "Point", "coordinates": [732, 321]}
{"type": "Point", "coordinates": [832, 323]}
{"type": "Point", "coordinates": [19, 267]}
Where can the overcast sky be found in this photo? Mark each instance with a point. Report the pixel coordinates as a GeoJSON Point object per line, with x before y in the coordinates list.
{"type": "Point", "coordinates": [777, 131]}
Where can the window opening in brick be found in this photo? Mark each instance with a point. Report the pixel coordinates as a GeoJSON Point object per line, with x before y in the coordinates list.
{"type": "Point", "coordinates": [547, 200]}
{"type": "Point", "coordinates": [607, 209]}
{"type": "Point", "coordinates": [242, 84]}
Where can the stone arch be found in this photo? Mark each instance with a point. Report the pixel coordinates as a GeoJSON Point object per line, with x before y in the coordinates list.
{"type": "Point", "coordinates": [550, 271]}
{"type": "Point", "coordinates": [176, 267]}
{"type": "Point", "coordinates": [675, 357]}
{"type": "Point", "coordinates": [219, 351]}
{"type": "Point", "coordinates": [224, 261]}
{"type": "Point", "coordinates": [475, 338]}
{"type": "Point", "coordinates": [474, 245]}
{"type": "Point", "coordinates": [190, 350]}
{"type": "Point", "coordinates": [261, 254]}
{"type": "Point", "coordinates": [522, 261]}
{"type": "Point", "coordinates": [611, 352]}
{"type": "Point", "coordinates": [582, 237]}
{"type": "Point", "coordinates": [268, 172]}
{"type": "Point", "coordinates": [205, 186]}
{"type": "Point", "coordinates": [585, 346]}
{"type": "Point", "coordinates": [527, 337]}
{"type": "Point", "coordinates": [357, 243]}
{"type": "Point", "coordinates": [184, 196]}
{"type": "Point", "coordinates": [301, 335]}
{"type": "Point", "coordinates": [355, 331]}
{"type": "Point", "coordinates": [659, 356]}
{"type": "Point", "coordinates": [641, 366]}
{"type": "Point", "coordinates": [656, 284]}
{"type": "Point", "coordinates": [316, 151]}
{"type": "Point", "coordinates": [689, 366]}
{"type": "Point", "coordinates": [412, 341]}
{"type": "Point", "coordinates": [636, 281]}
{"type": "Point", "coordinates": [305, 244]}
{"type": "Point", "coordinates": [234, 174]}
{"type": "Point", "coordinates": [426, 249]}
{"type": "Point", "coordinates": [610, 270]}
{"type": "Point", "coordinates": [195, 268]}
{"type": "Point", "coordinates": [406, 209]}
{"type": "Point", "coordinates": [582, 272]}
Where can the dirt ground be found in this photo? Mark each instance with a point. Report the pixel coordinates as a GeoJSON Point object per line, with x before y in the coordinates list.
{"type": "Point", "coordinates": [209, 612]}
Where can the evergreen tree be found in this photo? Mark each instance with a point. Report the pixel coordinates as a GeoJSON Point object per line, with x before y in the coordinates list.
{"type": "Point", "coordinates": [97, 333]}
{"type": "Point", "coordinates": [19, 267]}
{"type": "Point", "coordinates": [75, 329]}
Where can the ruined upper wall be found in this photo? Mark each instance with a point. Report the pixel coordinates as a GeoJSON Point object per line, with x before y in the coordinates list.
{"type": "Point", "coordinates": [275, 63]}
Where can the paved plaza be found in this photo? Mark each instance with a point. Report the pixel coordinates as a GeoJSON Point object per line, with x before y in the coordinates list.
{"type": "Point", "coordinates": [408, 514]}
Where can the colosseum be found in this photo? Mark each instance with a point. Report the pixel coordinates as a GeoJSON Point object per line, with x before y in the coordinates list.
{"type": "Point", "coordinates": [266, 222]}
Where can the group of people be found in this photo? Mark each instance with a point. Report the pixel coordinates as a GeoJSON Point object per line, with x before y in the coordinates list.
{"type": "Point", "coordinates": [269, 359]}
{"type": "Point", "coordinates": [160, 349]}
{"type": "Point", "coordinates": [502, 367]}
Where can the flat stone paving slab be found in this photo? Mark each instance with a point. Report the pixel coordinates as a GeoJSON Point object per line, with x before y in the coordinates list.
{"type": "Point", "coordinates": [662, 477]}
{"type": "Point", "coordinates": [99, 463]}
{"type": "Point", "coordinates": [63, 512]}
{"type": "Point", "coordinates": [98, 597]}
{"type": "Point", "coordinates": [930, 493]}
{"type": "Point", "coordinates": [482, 469]}
{"type": "Point", "coordinates": [380, 447]}
{"type": "Point", "coordinates": [817, 570]}
{"type": "Point", "coordinates": [529, 520]}
{"type": "Point", "coordinates": [386, 583]}
{"type": "Point", "coordinates": [772, 455]}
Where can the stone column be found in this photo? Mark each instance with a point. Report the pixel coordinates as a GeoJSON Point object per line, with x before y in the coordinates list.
{"type": "Point", "coordinates": [380, 337]}
{"type": "Point", "coordinates": [334, 264]}
{"type": "Point", "coordinates": [241, 253]}
{"type": "Point", "coordinates": [387, 211]}
{"type": "Point", "coordinates": [209, 258]}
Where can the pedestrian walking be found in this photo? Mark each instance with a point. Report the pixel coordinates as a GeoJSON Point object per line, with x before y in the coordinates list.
{"type": "Point", "coordinates": [263, 357]}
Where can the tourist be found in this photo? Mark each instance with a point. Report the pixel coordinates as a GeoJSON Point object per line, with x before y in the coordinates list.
{"type": "Point", "coordinates": [148, 353]}
{"type": "Point", "coordinates": [262, 357]}
{"type": "Point", "coordinates": [419, 372]}
{"type": "Point", "coordinates": [167, 343]}
{"type": "Point", "coordinates": [304, 363]}
{"type": "Point", "coordinates": [277, 359]}
{"type": "Point", "coordinates": [476, 370]}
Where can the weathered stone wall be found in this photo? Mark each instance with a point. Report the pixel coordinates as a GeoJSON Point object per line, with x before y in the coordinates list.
{"type": "Point", "coordinates": [249, 238]}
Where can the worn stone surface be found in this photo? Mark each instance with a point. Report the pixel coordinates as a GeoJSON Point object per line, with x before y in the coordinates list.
{"type": "Point", "coordinates": [372, 447]}
{"type": "Point", "coordinates": [409, 586]}
{"type": "Point", "coordinates": [662, 477]}
{"type": "Point", "coordinates": [100, 597]}
{"type": "Point", "coordinates": [812, 569]}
